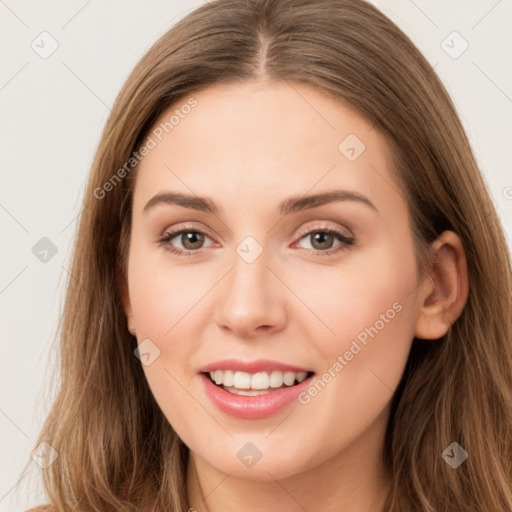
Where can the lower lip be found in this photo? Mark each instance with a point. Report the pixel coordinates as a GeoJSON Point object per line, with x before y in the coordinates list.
{"type": "Point", "coordinates": [253, 407]}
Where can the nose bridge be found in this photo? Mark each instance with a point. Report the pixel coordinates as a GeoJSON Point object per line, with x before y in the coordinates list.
{"type": "Point", "coordinates": [249, 295]}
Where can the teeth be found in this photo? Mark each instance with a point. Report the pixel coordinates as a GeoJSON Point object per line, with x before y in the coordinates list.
{"type": "Point", "coordinates": [241, 380]}
{"type": "Point", "coordinates": [256, 381]}
{"type": "Point", "coordinates": [228, 377]}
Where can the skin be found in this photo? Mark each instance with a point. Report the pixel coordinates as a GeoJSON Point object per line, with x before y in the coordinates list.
{"type": "Point", "coordinates": [248, 147]}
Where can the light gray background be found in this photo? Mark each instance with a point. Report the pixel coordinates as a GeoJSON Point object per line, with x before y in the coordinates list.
{"type": "Point", "coordinates": [53, 111]}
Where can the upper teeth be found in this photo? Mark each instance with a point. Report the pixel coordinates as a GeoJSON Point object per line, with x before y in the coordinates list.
{"type": "Point", "coordinates": [260, 380]}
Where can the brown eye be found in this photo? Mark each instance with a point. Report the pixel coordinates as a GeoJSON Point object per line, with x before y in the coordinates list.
{"type": "Point", "coordinates": [192, 239]}
{"type": "Point", "coordinates": [322, 241]}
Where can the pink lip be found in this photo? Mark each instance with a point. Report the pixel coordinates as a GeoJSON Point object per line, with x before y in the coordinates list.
{"type": "Point", "coordinates": [259, 365]}
{"type": "Point", "coordinates": [252, 407]}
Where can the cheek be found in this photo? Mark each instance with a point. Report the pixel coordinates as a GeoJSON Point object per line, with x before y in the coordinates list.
{"type": "Point", "coordinates": [162, 293]}
{"type": "Point", "coordinates": [163, 299]}
{"type": "Point", "coordinates": [367, 317]}
{"type": "Point", "coordinates": [351, 297]}
{"type": "Point", "coordinates": [164, 304]}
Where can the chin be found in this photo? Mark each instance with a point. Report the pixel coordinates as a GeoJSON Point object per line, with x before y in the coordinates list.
{"type": "Point", "coordinates": [276, 467]}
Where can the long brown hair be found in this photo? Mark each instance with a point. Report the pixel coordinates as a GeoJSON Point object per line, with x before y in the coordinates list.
{"type": "Point", "coordinates": [116, 451]}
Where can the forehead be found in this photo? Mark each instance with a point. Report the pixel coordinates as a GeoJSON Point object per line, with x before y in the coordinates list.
{"type": "Point", "coordinates": [274, 139]}
{"type": "Point", "coordinates": [258, 114]}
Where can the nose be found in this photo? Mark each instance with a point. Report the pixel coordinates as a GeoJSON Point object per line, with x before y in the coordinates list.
{"type": "Point", "coordinates": [251, 299]}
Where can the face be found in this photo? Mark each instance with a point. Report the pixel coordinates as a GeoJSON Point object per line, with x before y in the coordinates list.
{"type": "Point", "coordinates": [265, 283]}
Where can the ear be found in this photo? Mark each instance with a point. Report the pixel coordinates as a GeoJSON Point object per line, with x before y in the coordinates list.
{"type": "Point", "coordinates": [443, 297]}
{"type": "Point", "coordinates": [125, 298]}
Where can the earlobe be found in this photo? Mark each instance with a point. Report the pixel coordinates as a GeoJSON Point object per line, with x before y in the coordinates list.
{"type": "Point", "coordinates": [443, 295]}
{"type": "Point", "coordinates": [131, 329]}
{"type": "Point", "coordinates": [125, 298]}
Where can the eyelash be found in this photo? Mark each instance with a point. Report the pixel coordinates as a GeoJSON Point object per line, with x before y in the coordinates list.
{"type": "Point", "coordinates": [347, 242]}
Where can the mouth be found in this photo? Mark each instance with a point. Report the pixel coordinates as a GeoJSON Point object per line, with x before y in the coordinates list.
{"type": "Point", "coordinates": [255, 384]}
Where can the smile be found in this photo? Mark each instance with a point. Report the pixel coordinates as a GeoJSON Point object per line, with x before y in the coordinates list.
{"type": "Point", "coordinates": [244, 383]}
{"type": "Point", "coordinates": [252, 404]}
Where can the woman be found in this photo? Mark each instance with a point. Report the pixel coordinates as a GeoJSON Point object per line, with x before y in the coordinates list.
{"type": "Point", "coordinates": [212, 360]}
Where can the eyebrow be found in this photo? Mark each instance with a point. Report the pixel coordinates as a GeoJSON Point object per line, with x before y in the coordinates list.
{"type": "Point", "coordinates": [290, 205]}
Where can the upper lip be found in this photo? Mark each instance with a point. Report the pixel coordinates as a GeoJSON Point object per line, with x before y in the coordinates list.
{"type": "Point", "coordinates": [258, 365]}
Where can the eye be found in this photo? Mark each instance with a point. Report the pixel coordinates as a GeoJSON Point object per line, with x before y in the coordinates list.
{"type": "Point", "coordinates": [191, 240]}
{"type": "Point", "coordinates": [322, 239]}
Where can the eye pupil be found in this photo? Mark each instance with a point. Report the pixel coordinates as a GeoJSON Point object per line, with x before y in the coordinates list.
{"type": "Point", "coordinates": [193, 237]}
{"type": "Point", "coordinates": [318, 236]}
